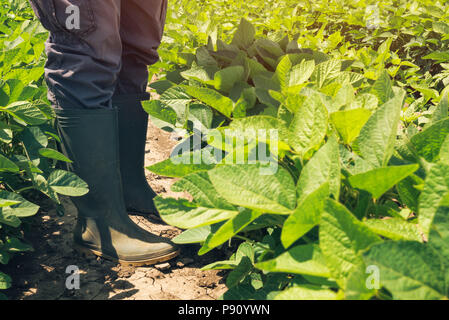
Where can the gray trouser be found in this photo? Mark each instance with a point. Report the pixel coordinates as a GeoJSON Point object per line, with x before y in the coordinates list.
{"type": "Point", "coordinates": [105, 52]}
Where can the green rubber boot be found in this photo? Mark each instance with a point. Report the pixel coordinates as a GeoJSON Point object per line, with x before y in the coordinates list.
{"type": "Point", "coordinates": [133, 125]}
{"type": "Point", "coordinates": [90, 139]}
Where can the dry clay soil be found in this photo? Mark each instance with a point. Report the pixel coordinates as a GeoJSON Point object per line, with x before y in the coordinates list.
{"type": "Point", "coordinates": [42, 274]}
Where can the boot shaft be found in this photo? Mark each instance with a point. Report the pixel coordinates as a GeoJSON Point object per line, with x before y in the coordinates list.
{"type": "Point", "coordinates": [90, 139]}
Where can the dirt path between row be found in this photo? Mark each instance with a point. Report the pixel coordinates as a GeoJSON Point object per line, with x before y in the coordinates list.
{"type": "Point", "coordinates": [42, 274]}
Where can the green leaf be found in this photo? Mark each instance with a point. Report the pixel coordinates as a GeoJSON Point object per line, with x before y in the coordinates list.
{"type": "Point", "coordinates": [4, 257]}
{"type": "Point", "coordinates": [301, 73]}
{"type": "Point", "coordinates": [439, 56]}
{"type": "Point", "coordinates": [251, 186]}
{"type": "Point", "coordinates": [383, 88]}
{"type": "Point", "coordinates": [199, 186]}
{"type": "Point", "coordinates": [394, 228]}
{"type": "Point", "coordinates": [441, 110]}
{"type": "Point", "coordinates": [244, 36]}
{"type": "Point", "coordinates": [377, 137]}
{"type": "Point", "coordinates": [7, 202]}
{"type": "Point", "coordinates": [225, 79]}
{"type": "Point", "coordinates": [439, 237]}
{"type": "Point", "coordinates": [195, 235]}
{"type": "Point", "coordinates": [291, 74]}
{"type": "Point", "coordinates": [10, 215]}
{"type": "Point", "coordinates": [357, 285]}
{"type": "Point", "coordinates": [306, 216]}
{"type": "Point", "coordinates": [184, 164]}
{"type": "Point", "coordinates": [201, 115]}
{"type": "Point", "coordinates": [342, 239]}
{"type": "Point", "coordinates": [5, 281]}
{"type": "Point", "coordinates": [163, 116]}
{"type": "Point", "coordinates": [7, 165]}
{"type": "Point", "coordinates": [186, 215]}
{"type": "Point", "coordinates": [67, 183]}
{"type": "Point", "coordinates": [436, 188]}
{"type": "Point", "coordinates": [203, 74]}
{"type": "Point", "coordinates": [408, 192]}
{"type": "Point", "coordinates": [306, 292]}
{"type": "Point", "coordinates": [175, 98]}
{"type": "Point", "coordinates": [444, 151]}
{"type": "Point", "coordinates": [323, 167]}
{"type": "Point", "coordinates": [409, 270]}
{"type": "Point", "coordinates": [303, 259]}
{"type": "Point", "coordinates": [326, 70]}
{"type": "Point", "coordinates": [53, 154]}
{"type": "Point", "coordinates": [440, 27]}
{"type": "Point", "coordinates": [5, 132]}
{"type": "Point", "coordinates": [239, 273]}
{"type": "Point", "coordinates": [380, 180]}
{"type": "Point", "coordinates": [229, 229]}
{"type": "Point", "coordinates": [15, 245]}
{"type": "Point", "coordinates": [348, 123]}
{"type": "Point", "coordinates": [212, 98]}
{"type": "Point", "coordinates": [428, 142]}
{"type": "Point", "coordinates": [27, 112]}
{"type": "Point", "coordinates": [249, 126]}
{"type": "Point", "coordinates": [309, 125]}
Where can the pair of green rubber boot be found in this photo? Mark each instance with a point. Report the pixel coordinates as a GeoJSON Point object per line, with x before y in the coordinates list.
{"type": "Point", "coordinates": [107, 147]}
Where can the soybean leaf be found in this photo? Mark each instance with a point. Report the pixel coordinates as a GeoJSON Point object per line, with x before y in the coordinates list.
{"type": "Point", "coordinates": [377, 137]}
{"type": "Point", "coordinates": [383, 88]}
{"type": "Point", "coordinates": [244, 36]}
{"type": "Point", "coordinates": [444, 151]}
{"type": "Point", "coordinates": [5, 281]}
{"type": "Point", "coordinates": [225, 79]}
{"type": "Point", "coordinates": [323, 167]}
{"type": "Point", "coordinates": [441, 110]}
{"type": "Point", "coordinates": [239, 273]}
{"type": "Point", "coordinates": [200, 187]}
{"type": "Point", "coordinates": [429, 142]}
{"type": "Point", "coordinates": [409, 270]}
{"type": "Point", "coordinates": [303, 259]}
{"type": "Point", "coordinates": [305, 217]}
{"type": "Point", "coordinates": [408, 192]}
{"type": "Point", "coordinates": [348, 123]}
{"type": "Point", "coordinates": [306, 292]}
{"type": "Point", "coordinates": [67, 183]}
{"type": "Point", "coordinates": [15, 245]}
{"type": "Point", "coordinates": [394, 228]}
{"type": "Point", "coordinates": [380, 180]}
{"type": "Point", "coordinates": [439, 237]}
{"type": "Point", "coordinates": [436, 188]}
{"type": "Point", "coordinates": [246, 185]}
{"type": "Point", "coordinates": [212, 98]}
{"type": "Point", "coordinates": [342, 239]}
{"type": "Point", "coordinates": [21, 209]}
{"type": "Point", "coordinates": [186, 215]}
{"type": "Point", "coordinates": [326, 70]}
{"type": "Point", "coordinates": [53, 154]}
{"type": "Point", "coordinates": [309, 125]}
{"type": "Point", "coordinates": [229, 229]}
{"type": "Point", "coordinates": [7, 165]}
{"type": "Point", "coordinates": [184, 164]}
{"type": "Point", "coordinates": [195, 235]}
{"type": "Point", "coordinates": [161, 115]}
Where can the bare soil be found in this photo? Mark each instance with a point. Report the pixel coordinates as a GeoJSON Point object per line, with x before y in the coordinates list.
{"type": "Point", "coordinates": [42, 274]}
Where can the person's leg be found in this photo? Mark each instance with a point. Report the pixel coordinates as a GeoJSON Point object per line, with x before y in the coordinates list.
{"type": "Point", "coordinates": [84, 51]}
{"type": "Point", "coordinates": [142, 24]}
{"type": "Point", "coordinates": [141, 29]}
{"type": "Point", "coordinates": [81, 72]}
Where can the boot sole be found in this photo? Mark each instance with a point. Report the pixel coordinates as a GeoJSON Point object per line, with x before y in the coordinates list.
{"type": "Point", "coordinates": [139, 263]}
